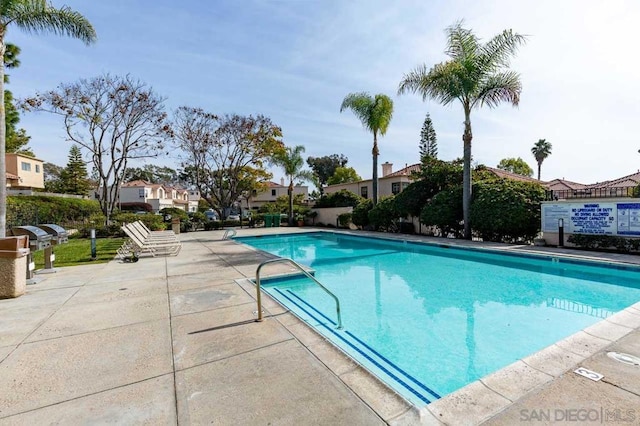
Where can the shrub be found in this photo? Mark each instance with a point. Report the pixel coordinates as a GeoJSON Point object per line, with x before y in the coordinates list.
{"type": "Point", "coordinates": [344, 220]}
{"type": "Point", "coordinates": [444, 211]}
{"type": "Point", "coordinates": [175, 212]}
{"type": "Point", "coordinates": [384, 215]}
{"type": "Point", "coordinates": [212, 225]}
{"type": "Point", "coordinates": [621, 244]}
{"type": "Point", "coordinates": [153, 221]}
{"type": "Point", "coordinates": [136, 207]}
{"type": "Point", "coordinates": [342, 198]}
{"type": "Point", "coordinates": [360, 214]}
{"type": "Point", "coordinates": [32, 210]}
{"type": "Point", "coordinates": [231, 223]}
{"type": "Point", "coordinates": [506, 210]}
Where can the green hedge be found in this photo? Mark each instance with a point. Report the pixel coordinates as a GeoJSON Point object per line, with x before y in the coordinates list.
{"type": "Point", "coordinates": [606, 242]}
{"type": "Point", "coordinates": [360, 214]}
{"type": "Point", "coordinates": [384, 216]}
{"type": "Point", "coordinates": [32, 210]}
{"type": "Point", "coordinates": [506, 211]}
{"type": "Point", "coordinates": [444, 211]}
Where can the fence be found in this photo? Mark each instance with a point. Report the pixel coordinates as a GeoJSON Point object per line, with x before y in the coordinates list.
{"type": "Point", "coordinates": [611, 192]}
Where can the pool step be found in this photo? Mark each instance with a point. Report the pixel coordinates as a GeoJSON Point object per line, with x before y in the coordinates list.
{"type": "Point", "coordinates": [355, 347]}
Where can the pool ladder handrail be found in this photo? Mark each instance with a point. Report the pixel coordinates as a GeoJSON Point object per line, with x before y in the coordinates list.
{"type": "Point", "coordinates": [307, 274]}
{"type": "Point", "coordinates": [227, 233]}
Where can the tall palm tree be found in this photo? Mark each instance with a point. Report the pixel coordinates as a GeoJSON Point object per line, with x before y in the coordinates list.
{"type": "Point", "coordinates": [375, 114]}
{"type": "Point", "coordinates": [476, 75]}
{"type": "Point", "coordinates": [36, 16]}
{"type": "Point", "coordinates": [541, 150]}
{"type": "Point", "coordinates": [291, 161]}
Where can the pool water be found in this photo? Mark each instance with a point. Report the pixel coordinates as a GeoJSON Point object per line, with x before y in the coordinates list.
{"type": "Point", "coordinates": [427, 319]}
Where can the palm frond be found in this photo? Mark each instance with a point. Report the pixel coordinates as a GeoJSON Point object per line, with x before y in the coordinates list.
{"type": "Point", "coordinates": [498, 51]}
{"type": "Point", "coordinates": [360, 103]}
{"type": "Point", "coordinates": [500, 87]}
{"type": "Point", "coordinates": [381, 113]}
{"type": "Point", "coordinates": [442, 82]}
{"type": "Point", "coordinates": [541, 150]}
{"type": "Point", "coordinates": [306, 175]}
{"type": "Point", "coordinates": [38, 16]}
{"type": "Point", "coordinates": [290, 160]}
{"type": "Point", "coordinates": [461, 42]}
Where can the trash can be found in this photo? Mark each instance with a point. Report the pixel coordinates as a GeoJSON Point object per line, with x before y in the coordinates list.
{"type": "Point", "coordinates": [276, 220]}
{"type": "Point", "coordinates": [175, 225]}
{"type": "Point", "coordinates": [268, 220]}
{"type": "Point", "coordinates": [13, 266]}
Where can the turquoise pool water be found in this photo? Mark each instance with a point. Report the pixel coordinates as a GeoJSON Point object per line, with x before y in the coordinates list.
{"type": "Point", "coordinates": [427, 319]}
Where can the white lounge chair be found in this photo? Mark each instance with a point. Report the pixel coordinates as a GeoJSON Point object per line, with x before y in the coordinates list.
{"type": "Point", "coordinates": [139, 245]}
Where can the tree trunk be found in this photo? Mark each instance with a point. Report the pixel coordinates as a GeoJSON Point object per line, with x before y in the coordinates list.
{"type": "Point", "coordinates": [290, 191]}
{"type": "Point", "coordinates": [375, 153]}
{"type": "Point", "coordinates": [3, 135]}
{"type": "Point", "coordinates": [466, 176]}
{"type": "Point", "coordinates": [539, 167]}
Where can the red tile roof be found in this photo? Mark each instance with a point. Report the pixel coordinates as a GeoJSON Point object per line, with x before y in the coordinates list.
{"type": "Point", "coordinates": [406, 171]}
{"type": "Point", "coordinates": [508, 175]}
{"type": "Point", "coordinates": [631, 180]}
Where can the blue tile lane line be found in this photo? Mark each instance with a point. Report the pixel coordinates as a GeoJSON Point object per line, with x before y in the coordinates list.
{"type": "Point", "coordinates": [374, 362]}
{"type": "Point", "coordinates": [382, 357]}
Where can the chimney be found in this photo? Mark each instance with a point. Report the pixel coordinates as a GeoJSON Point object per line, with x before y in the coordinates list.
{"type": "Point", "coordinates": [282, 181]}
{"type": "Point", "coordinates": [387, 168]}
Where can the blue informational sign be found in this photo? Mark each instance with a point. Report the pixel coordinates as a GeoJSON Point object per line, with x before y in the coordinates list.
{"type": "Point", "coordinates": [628, 218]}
{"type": "Point", "coordinates": [593, 218]}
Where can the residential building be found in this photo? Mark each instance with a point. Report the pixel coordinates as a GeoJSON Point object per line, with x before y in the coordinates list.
{"type": "Point", "coordinates": [273, 191]}
{"type": "Point", "coordinates": [24, 172]}
{"type": "Point", "coordinates": [390, 183]}
{"type": "Point", "coordinates": [158, 196]}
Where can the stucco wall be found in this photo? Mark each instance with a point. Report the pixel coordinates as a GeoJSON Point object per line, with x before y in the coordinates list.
{"type": "Point", "coordinates": [330, 215]}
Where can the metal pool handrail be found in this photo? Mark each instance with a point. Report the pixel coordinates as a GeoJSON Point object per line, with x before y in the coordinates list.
{"type": "Point", "coordinates": [307, 274]}
{"type": "Point", "coordinates": [227, 233]}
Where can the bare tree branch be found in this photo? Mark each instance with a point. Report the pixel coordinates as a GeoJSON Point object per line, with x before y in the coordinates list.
{"type": "Point", "coordinates": [114, 119]}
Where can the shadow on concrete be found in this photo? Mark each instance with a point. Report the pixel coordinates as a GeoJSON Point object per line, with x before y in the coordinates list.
{"type": "Point", "coordinates": [234, 324]}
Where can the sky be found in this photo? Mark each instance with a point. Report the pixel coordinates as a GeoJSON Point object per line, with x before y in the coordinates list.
{"type": "Point", "coordinates": [295, 61]}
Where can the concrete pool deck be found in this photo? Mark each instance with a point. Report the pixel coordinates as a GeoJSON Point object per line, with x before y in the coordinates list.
{"type": "Point", "coordinates": [173, 341]}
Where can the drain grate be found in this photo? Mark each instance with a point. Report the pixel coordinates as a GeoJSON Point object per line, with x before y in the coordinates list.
{"type": "Point", "coordinates": [624, 358]}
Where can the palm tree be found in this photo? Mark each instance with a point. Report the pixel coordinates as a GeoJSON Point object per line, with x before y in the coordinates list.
{"type": "Point", "coordinates": [476, 75]}
{"type": "Point", "coordinates": [291, 161]}
{"type": "Point", "coordinates": [37, 16]}
{"type": "Point", "coordinates": [375, 114]}
{"type": "Point", "coordinates": [541, 150]}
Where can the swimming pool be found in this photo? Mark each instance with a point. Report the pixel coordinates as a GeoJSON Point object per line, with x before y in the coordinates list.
{"type": "Point", "coordinates": [428, 319]}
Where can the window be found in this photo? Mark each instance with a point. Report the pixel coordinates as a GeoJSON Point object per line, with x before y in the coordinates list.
{"type": "Point", "coordinates": [37, 168]}
{"type": "Point", "coordinates": [273, 192]}
{"type": "Point", "coordinates": [26, 166]}
{"type": "Point", "coordinates": [141, 192]}
{"type": "Point", "coordinates": [364, 192]}
{"type": "Point", "coordinates": [395, 188]}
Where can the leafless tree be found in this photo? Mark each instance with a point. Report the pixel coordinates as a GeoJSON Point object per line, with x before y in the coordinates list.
{"type": "Point", "coordinates": [114, 119]}
{"type": "Point", "coordinates": [224, 157]}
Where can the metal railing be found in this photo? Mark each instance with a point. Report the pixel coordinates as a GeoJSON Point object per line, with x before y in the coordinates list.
{"type": "Point", "coordinates": [307, 274]}
{"type": "Point", "coordinates": [611, 192]}
{"type": "Point", "coordinates": [229, 233]}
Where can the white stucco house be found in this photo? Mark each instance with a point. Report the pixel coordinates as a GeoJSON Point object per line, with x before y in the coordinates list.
{"type": "Point", "coordinates": [159, 196]}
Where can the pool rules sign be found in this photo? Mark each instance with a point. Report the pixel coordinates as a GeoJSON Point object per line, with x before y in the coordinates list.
{"type": "Point", "coordinates": [593, 218]}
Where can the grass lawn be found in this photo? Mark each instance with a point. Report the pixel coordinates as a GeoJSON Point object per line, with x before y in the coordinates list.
{"type": "Point", "coordinates": [78, 252]}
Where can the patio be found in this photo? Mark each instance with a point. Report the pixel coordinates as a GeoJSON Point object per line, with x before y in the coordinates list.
{"type": "Point", "coordinates": [173, 341]}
